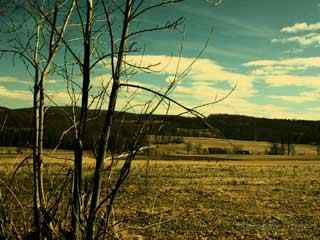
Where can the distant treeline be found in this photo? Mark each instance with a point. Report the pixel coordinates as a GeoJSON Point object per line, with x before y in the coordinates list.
{"type": "Point", "coordinates": [263, 129]}
{"type": "Point", "coordinates": [15, 128]}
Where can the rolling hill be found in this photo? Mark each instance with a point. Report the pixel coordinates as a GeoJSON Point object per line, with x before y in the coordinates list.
{"type": "Point", "coordinates": [16, 124]}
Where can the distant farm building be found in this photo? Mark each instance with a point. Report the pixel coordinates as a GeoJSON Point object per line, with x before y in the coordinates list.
{"type": "Point", "coordinates": [216, 150]}
{"type": "Point", "coordinates": [244, 152]}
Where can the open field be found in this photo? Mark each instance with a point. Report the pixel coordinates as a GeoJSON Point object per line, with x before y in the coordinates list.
{"type": "Point", "coordinates": [206, 200]}
{"type": "Point", "coordinates": [200, 144]}
{"type": "Point", "coordinates": [227, 200]}
{"type": "Point", "coordinates": [254, 147]}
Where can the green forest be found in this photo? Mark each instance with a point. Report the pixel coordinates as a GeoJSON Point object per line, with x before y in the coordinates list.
{"type": "Point", "coordinates": [16, 128]}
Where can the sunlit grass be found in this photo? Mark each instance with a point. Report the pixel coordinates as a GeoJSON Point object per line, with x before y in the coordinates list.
{"type": "Point", "coordinates": [202, 200]}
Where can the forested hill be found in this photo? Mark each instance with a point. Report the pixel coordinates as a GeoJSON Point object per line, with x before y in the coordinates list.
{"type": "Point", "coordinates": [264, 129]}
{"type": "Point", "coordinates": [15, 127]}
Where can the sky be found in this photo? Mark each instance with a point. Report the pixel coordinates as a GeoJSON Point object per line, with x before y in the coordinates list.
{"type": "Point", "coordinates": [266, 51]}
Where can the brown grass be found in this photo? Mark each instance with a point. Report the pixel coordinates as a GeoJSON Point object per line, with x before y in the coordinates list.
{"type": "Point", "coordinates": [255, 147]}
{"type": "Point", "coordinates": [227, 200]}
{"type": "Point", "coordinates": [204, 200]}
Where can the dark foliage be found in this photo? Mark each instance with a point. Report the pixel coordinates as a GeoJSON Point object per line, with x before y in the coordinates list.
{"type": "Point", "coordinates": [17, 128]}
{"type": "Point", "coordinates": [263, 129]}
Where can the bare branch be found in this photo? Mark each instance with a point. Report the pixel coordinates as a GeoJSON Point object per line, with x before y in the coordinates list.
{"type": "Point", "coordinates": [161, 4]}
{"type": "Point", "coordinates": [189, 110]}
{"type": "Point", "coordinates": [169, 25]}
{"type": "Point", "coordinates": [22, 54]}
{"type": "Point", "coordinates": [14, 197]}
{"type": "Point", "coordinates": [100, 59]}
{"type": "Point", "coordinates": [213, 102]}
{"type": "Point", "coordinates": [56, 30]}
{"type": "Point", "coordinates": [4, 122]}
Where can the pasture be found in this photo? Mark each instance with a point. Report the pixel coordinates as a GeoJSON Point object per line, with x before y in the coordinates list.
{"type": "Point", "coordinates": [245, 199]}
{"type": "Point", "coordinates": [254, 147]}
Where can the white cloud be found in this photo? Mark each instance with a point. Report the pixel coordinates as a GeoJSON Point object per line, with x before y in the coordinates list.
{"type": "Point", "coordinates": [28, 81]}
{"type": "Point", "coordinates": [202, 73]}
{"type": "Point", "coordinates": [58, 97]}
{"type": "Point", "coordinates": [205, 72]}
{"type": "Point", "coordinates": [244, 107]}
{"type": "Point", "coordinates": [304, 34]}
{"type": "Point", "coordinates": [10, 79]}
{"type": "Point", "coordinates": [232, 105]}
{"type": "Point", "coordinates": [51, 81]}
{"type": "Point", "coordinates": [281, 72]}
{"type": "Point", "coordinates": [287, 80]}
{"type": "Point", "coordinates": [201, 81]}
{"type": "Point", "coordinates": [282, 66]}
{"type": "Point", "coordinates": [303, 40]}
{"type": "Point", "coordinates": [15, 94]}
{"type": "Point", "coordinates": [202, 76]}
{"type": "Point", "coordinates": [101, 80]}
{"type": "Point", "coordinates": [301, 27]}
{"type": "Point", "coordinates": [301, 98]}
{"type": "Point", "coordinates": [292, 62]}
{"type": "Point", "coordinates": [275, 70]}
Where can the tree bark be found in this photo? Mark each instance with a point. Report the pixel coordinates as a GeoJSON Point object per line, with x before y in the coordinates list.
{"type": "Point", "coordinates": [35, 153]}
{"type": "Point", "coordinates": [81, 127]}
{"type": "Point", "coordinates": [105, 135]}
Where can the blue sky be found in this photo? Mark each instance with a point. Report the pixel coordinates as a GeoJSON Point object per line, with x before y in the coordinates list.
{"type": "Point", "coordinates": [268, 49]}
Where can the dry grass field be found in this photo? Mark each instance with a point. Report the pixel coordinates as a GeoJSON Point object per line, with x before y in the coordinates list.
{"type": "Point", "coordinates": [254, 147]}
{"type": "Point", "coordinates": [226, 200]}
{"type": "Point", "coordinates": [201, 199]}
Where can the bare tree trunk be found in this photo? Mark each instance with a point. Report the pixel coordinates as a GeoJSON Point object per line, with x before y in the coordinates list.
{"type": "Point", "coordinates": [77, 176]}
{"type": "Point", "coordinates": [35, 184]}
{"type": "Point", "coordinates": [40, 139]}
{"type": "Point", "coordinates": [38, 127]}
{"type": "Point", "coordinates": [38, 102]}
{"type": "Point", "coordinates": [104, 140]}
{"type": "Point", "coordinates": [33, 56]}
{"type": "Point", "coordinates": [105, 136]}
{"type": "Point", "coordinates": [77, 184]}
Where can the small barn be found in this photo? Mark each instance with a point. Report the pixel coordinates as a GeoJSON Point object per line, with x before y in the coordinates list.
{"type": "Point", "coordinates": [243, 152]}
{"type": "Point", "coordinates": [216, 150]}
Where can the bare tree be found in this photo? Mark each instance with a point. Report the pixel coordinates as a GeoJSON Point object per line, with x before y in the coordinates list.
{"type": "Point", "coordinates": [92, 23]}
{"type": "Point", "coordinates": [120, 48]}
{"type": "Point", "coordinates": [37, 53]}
{"type": "Point", "coordinates": [106, 36]}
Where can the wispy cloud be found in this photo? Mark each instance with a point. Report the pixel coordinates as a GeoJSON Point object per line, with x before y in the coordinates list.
{"type": "Point", "coordinates": [293, 80]}
{"type": "Point", "coordinates": [242, 106]}
{"type": "Point", "coordinates": [289, 72]}
{"type": "Point", "coordinates": [294, 62]}
{"type": "Point", "coordinates": [203, 71]}
{"type": "Point", "coordinates": [10, 79]}
{"type": "Point", "coordinates": [301, 98]}
{"type": "Point", "coordinates": [302, 33]}
{"type": "Point", "coordinates": [304, 40]}
{"type": "Point", "coordinates": [15, 94]}
{"type": "Point", "coordinates": [301, 27]}
{"type": "Point", "coordinates": [200, 86]}
{"type": "Point", "coordinates": [28, 81]}
{"type": "Point", "coordinates": [282, 66]}
{"type": "Point", "coordinates": [206, 71]}
{"type": "Point", "coordinates": [282, 72]}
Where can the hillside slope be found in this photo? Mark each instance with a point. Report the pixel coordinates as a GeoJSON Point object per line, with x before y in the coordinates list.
{"type": "Point", "coordinates": [16, 127]}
